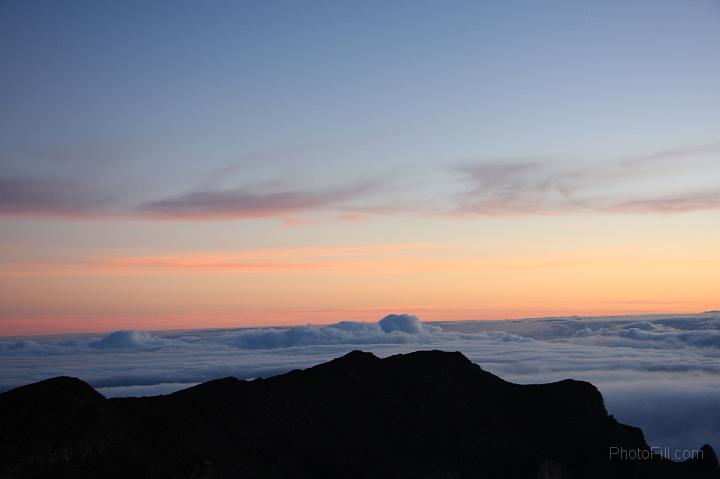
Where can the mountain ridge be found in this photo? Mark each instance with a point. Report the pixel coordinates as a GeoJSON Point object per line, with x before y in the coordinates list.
{"type": "Point", "coordinates": [424, 414]}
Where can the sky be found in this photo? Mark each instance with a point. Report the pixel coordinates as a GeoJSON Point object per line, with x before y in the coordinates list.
{"type": "Point", "coordinates": [177, 165]}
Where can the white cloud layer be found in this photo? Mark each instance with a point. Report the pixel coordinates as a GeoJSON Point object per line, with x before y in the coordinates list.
{"type": "Point", "coordinates": [659, 372]}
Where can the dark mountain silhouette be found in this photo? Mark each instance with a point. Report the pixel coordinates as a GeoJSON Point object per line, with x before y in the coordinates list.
{"type": "Point", "coordinates": [421, 415]}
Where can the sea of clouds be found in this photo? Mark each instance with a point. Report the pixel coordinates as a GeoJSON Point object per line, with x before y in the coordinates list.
{"type": "Point", "coordinates": [658, 372]}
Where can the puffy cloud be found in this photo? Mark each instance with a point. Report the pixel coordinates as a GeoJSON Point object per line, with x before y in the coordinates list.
{"type": "Point", "coordinates": [392, 329]}
{"type": "Point", "coordinates": [127, 339]}
{"type": "Point", "coordinates": [342, 333]}
{"type": "Point", "coordinates": [648, 334]}
{"type": "Point", "coordinates": [22, 346]}
{"type": "Point", "coordinates": [406, 323]}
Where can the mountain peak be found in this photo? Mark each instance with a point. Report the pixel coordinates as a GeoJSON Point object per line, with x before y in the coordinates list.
{"type": "Point", "coordinates": [357, 356]}
{"type": "Point", "coordinates": [57, 389]}
{"type": "Point", "coordinates": [435, 356]}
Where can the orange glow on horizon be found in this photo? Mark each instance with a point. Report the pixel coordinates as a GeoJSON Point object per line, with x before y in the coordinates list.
{"type": "Point", "coordinates": [284, 286]}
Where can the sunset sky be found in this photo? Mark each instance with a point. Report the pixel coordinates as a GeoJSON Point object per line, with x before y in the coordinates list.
{"type": "Point", "coordinates": [173, 165]}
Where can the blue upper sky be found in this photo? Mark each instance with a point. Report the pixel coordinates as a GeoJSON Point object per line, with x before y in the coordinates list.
{"type": "Point", "coordinates": [180, 91]}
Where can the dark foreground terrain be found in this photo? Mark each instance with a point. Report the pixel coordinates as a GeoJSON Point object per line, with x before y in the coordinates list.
{"type": "Point", "coordinates": [420, 415]}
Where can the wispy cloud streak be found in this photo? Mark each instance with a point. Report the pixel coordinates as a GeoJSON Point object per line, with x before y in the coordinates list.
{"type": "Point", "coordinates": [245, 203]}
{"type": "Point", "coordinates": [666, 182]}
{"type": "Point", "coordinates": [671, 181]}
{"type": "Point", "coordinates": [670, 204]}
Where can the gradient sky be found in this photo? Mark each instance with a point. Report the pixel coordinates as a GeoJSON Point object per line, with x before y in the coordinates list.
{"type": "Point", "coordinates": [209, 164]}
